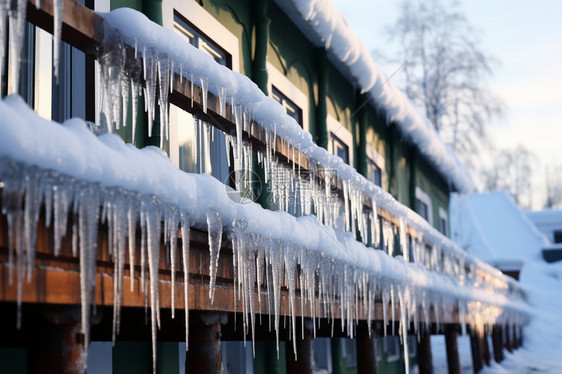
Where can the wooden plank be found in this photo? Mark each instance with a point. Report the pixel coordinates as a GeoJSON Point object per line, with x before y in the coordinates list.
{"type": "Point", "coordinates": [425, 357]}
{"type": "Point", "coordinates": [82, 28]}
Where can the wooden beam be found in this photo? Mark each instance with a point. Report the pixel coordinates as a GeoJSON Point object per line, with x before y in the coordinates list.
{"type": "Point", "coordinates": [301, 362]}
{"type": "Point", "coordinates": [81, 27]}
{"type": "Point", "coordinates": [204, 354]}
{"type": "Point", "coordinates": [453, 359]}
{"type": "Point", "coordinates": [366, 349]}
{"type": "Point", "coordinates": [425, 357]}
{"type": "Point", "coordinates": [497, 342]}
{"type": "Point", "coordinates": [477, 352]}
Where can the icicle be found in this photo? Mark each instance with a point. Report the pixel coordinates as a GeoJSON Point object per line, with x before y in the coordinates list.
{"type": "Point", "coordinates": [185, 257]}
{"type": "Point", "coordinates": [214, 226]}
{"type": "Point", "coordinates": [204, 93]}
{"type": "Point", "coordinates": [164, 87]}
{"type": "Point", "coordinates": [4, 7]}
{"type": "Point", "coordinates": [150, 58]}
{"type": "Point", "coordinates": [58, 10]}
{"type": "Point", "coordinates": [132, 218]}
{"type": "Point", "coordinates": [153, 222]}
{"type": "Point", "coordinates": [17, 16]}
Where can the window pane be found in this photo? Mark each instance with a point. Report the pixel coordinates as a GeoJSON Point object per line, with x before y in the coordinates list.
{"type": "Point", "coordinates": [421, 208]}
{"type": "Point", "coordinates": [374, 173]}
{"type": "Point", "coordinates": [292, 109]}
{"type": "Point", "coordinates": [339, 148]}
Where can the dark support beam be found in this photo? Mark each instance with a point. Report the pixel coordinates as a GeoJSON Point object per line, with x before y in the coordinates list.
{"type": "Point", "coordinates": [508, 338]}
{"type": "Point", "coordinates": [204, 354]}
{"type": "Point", "coordinates": [486, 350]}
{"type": "Point", "coordinates": [58, 343]}
{"type": "Point", "coordinates": [453, 360]}
{"type": "Point", "coordinates": [425, 358]}
{"type": "Point", "coordinates": [302, 363]}
{"type": "Point", "coordinates": [366, 349]}
{"type": "Point", "coordinates": [497, 342]}
{"type": "Point", "coordinates": [476, 349]}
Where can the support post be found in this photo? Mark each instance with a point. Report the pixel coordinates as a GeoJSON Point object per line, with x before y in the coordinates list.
{"type": "Point", "coordinates": [302, 363]}
{"type": "Point", "coordinates": [321, 135]}
{"type": "Point", "coordinates": [497, 342]}
{"type": "Point", "coordinates": [476, 349]}
{"type": "Point", "coordinates": [58, 345]}
{"type": "Point", "coordinates": [425, 358]}
{"type": "Point", "coordinates": [204, 354]}
{"type": "Point", "coordinates": [486, 350]}
{"type": "Point", "coordinates": [453, 360]}
{"type": "Point", "coordinates": [366, 350]}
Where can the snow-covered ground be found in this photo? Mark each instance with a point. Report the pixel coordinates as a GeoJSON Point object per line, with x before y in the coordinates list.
{"type": "Point", "coordinates": [542, 337]}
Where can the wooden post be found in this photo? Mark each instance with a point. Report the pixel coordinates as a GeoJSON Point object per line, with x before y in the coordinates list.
{"type": "Point", "coordinates": [508, 336]}
{"type": "Point", "coordinates": [58, 344]}
{"type": "Point", "coordinates": [366, 350]}
{"type": "Point", "coordinates": [497, 342]}
{"type": "Point", "coordinates": [425, 358]}
{"type": "Point", "coordinates": [204, 354]}
{"type": "Point", "coordinates": [302, 363]}
{"type": "Point", "coordinates": [476, 349]}
{"type": "Point", "coordinates": [486, 350]}
{"type": "Point", "coordinates": [453, 360]}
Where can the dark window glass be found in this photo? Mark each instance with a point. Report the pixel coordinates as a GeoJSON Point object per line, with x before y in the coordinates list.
{"type": "Point", "coordinates": [339, 148]}
{"type": "Point", "coordinates": [558, 236]}
{"type": "Point", "coordinates": [443, 225]}
{"type": "Point", "coordinates": [374, 173]}
{"type": "Point", "coordinates": [422, 209]}
{"type": "Point", "coordinates": [291, 108]}
{"type": "Point", "coordinates": [201, 41]}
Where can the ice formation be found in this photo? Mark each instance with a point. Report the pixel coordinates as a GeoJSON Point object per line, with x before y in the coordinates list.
{"type": "Point", "coordinates": [109, 181]}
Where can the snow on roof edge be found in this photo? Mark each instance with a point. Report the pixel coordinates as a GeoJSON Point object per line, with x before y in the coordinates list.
{"type": "Point", "coordinates": [330, 29]}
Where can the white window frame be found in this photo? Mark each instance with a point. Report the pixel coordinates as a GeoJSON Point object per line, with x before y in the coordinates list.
{"type": "Point", "coordinates": [286, 87]}
{"type": "Point", "coordinates": [444, 216]}
{"type": "Point", "coordinates": [424, 198]}
{"type": "Point", "coordinates": [379, 161]}
{"type": "Point", "coordinates": [342, 133]}
{"type": "Point", "coordinates": [212, 28]}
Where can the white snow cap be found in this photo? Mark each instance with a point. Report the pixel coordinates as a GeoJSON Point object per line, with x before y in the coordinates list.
{"type": "Point", "coordinates": [325, 26]}
{"type": "Point", "coordinates": [491, 226]}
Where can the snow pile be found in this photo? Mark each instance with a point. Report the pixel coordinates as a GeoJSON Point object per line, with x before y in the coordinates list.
{"type": "Point", "coordinates": [102, 180]}
{"type": "Point", "coordinates": [492, 227]}
{"type": "Point", "coordinates": [327, 24]}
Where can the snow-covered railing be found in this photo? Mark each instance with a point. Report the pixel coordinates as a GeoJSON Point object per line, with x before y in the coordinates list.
{"type": "Point", "coordinates": [101, 179]}
{"type": "Point", "coordinates": [104, 175]}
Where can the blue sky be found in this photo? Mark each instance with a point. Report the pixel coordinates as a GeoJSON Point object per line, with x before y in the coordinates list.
{"type": "Point", "coordinates": [525, 38]}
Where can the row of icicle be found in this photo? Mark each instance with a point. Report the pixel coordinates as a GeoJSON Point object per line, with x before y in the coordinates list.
{"type": "Point", "coordinates": [326, 285]}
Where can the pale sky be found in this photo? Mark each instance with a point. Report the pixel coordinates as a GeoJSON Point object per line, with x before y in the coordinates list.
{"type": "Point", "coordinates": [525, 37]}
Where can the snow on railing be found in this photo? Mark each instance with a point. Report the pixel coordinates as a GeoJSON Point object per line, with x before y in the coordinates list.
{"type": "Point", "coordinates": [164, 54]}
{"type": "Point", "coordinates": [103, 180]}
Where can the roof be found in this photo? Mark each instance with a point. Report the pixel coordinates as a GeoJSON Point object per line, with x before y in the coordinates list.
{"type": "Point", "coordinates": [492, 227]}
{"type": "Point", "coordinates": [326, 27]}
{"type": "Point", "coordinates": [546, 217]}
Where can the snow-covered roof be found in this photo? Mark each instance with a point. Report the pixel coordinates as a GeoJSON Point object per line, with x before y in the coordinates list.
{"type": "Point", "coordinates": [491, 226]}
{"type": "Point", "coordinates": [326, 27]}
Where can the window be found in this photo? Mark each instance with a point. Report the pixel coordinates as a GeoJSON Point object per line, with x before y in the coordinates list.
{"type": "Point", "coordinates": [392, 348]}
{"type": "Point", "coordinates": [375, 166]}
{"type": "Point", "coordinates": [291, 108]}
{"type": "Point", "coordinates": [412, 346]}
{"type": "Point", "coordinates": [423, 205]}
{"type": "Point", "coordinates": [321, 355]}
{"type": "Point", "coordinates": [199, 40]}
{"type": "Point", "coordinates": [350, 352]}
{"type": "Point", "coordinates": [340, 140]}
{"type": "Point", "coordinates": [38, 86]}
{"type": "Point", "coordinates": [188, 148]}
{"type": "Point", "coordinates": [288, 95]}
{"type": "Point", "coordinates": [558, 236]}
{"type": "Point", "coordinates": [443, 222]}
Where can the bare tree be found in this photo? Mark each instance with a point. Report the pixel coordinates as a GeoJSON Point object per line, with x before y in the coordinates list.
{"type": "Point", "coordinates": [554, 188]}
{"type": "Point", "coordinates": [512, 171]}
{"type": "Point", "coordinates": [445, 73]}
